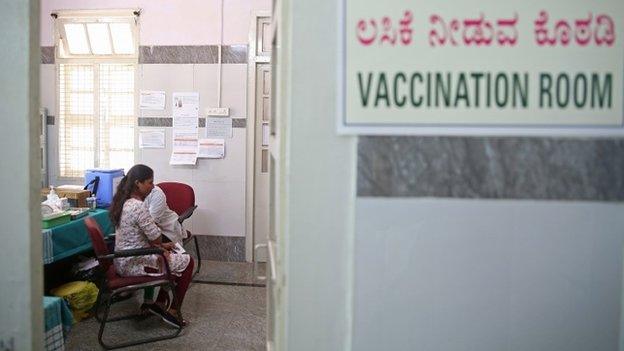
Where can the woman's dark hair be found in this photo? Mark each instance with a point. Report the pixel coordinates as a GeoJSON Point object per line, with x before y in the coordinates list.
{"type": "Point", "coordinates": [125, 189]}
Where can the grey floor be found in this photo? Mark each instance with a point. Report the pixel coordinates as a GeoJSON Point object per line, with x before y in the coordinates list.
{"type": "Point", "coordinates": [227, 316]}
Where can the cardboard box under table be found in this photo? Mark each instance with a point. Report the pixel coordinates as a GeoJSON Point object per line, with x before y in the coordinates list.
{"type": "Point", "coordinates": [74, 193]}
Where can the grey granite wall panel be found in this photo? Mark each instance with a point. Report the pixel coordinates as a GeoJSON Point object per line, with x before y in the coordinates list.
{"type": "Point", "coordinates": [47, 54]}
{"type": "Point", "coordinates": [168, 122]}
{"type": "Point", "coordinates": [180, 54]}
{"type": "Point", "coordinates": [493, 168]}
{"type": "Point", "coordinates": [234, 54]}
{"type": "Point", "coordinates": [239, 122]}
{"type": "Point", "coordinates": [155, 122]}
{"type": "Point", "coordinates": [183, 54]}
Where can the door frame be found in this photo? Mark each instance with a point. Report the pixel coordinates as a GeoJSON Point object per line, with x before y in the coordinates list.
{"type": "Point", "coordinates": [252, 60]}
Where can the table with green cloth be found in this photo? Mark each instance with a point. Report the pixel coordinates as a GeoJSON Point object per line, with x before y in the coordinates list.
{"type": "Point", "coordinates": [58, 322]}
{"type": "Point", "coordinates": [68, 239]}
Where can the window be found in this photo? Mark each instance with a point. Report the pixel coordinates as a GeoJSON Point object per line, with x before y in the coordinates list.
{"type": "Point", "coordinates": [97, 55]}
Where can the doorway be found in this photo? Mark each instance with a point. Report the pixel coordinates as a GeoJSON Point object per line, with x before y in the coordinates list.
{"type": "Point", "coordinates": [259, 111]}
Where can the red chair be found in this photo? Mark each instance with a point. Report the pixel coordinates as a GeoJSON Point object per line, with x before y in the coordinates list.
{"type": "Point", "coordinates": [114, 284]}
{"type": "Point", "coordinates": [181, 200]}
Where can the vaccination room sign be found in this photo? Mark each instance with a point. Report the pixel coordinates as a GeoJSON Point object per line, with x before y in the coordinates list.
{"type": "Point", "coordinates": [486, 63]}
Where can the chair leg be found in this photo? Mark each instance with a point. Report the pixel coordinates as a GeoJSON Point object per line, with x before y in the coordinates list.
{"type": "Point", "coordinates": [198, 255]}
{"type": "Point", "coordinates": [102, 296]}
{"type": "Point", "coordinates": [105, 320]}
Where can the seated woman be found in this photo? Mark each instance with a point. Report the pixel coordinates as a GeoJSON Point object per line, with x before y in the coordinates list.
{"type": "Point", "coordinates": [135, 229]}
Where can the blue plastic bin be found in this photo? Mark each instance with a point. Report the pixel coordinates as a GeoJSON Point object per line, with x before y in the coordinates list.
{"type": "Point", "coordinates": [107, 185]}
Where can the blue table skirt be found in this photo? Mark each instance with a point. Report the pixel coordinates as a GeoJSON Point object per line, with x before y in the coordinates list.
{"type": "Point", "coordinates": [72, 238]}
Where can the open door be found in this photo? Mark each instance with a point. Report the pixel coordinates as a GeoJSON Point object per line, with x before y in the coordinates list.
{"type": "Point", "coordinates": [258, 171]}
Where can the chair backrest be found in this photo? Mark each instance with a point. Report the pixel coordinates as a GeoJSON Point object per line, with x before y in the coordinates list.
{"type": "Point", "coordinates": [180, 196]}
{"type": "Point", "coordinates": [99, 245]}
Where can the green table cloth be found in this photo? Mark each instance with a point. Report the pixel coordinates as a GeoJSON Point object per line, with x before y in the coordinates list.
{"type": "Point", "coordinates": [72, 238]}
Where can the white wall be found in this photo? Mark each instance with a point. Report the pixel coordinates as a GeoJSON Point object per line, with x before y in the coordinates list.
{"type": "Point", "coordinates": [487, 275]}
{"type": "Point", "coordinates": [219, 184]}
{"type": "Point", "coordinates": [171, 22]}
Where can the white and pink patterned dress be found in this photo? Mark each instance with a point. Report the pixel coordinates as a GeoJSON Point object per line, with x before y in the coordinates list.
{"type": "Point", "coordinates": [136, 229]}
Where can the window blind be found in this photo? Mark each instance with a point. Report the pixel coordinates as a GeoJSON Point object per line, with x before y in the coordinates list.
{"type": "Point", "coordinates": [96, 117]}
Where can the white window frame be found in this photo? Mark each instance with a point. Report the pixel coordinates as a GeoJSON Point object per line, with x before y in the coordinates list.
{"type": "Point", "coordinates": [90, 16]}
{"type": "Point", "coordinates": [63, 17]}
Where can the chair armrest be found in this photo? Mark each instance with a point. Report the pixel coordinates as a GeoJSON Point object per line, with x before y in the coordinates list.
{"type": "Point", "coordinates": [137, 252]}
{"type": "Point", "coordinates": [140, 252]}
{"type": "Point", "coordinates": [186, 214]}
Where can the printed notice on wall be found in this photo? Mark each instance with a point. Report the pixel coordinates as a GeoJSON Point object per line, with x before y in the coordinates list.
{"type": "Point", "coordinates": [218, 127]}
{"type": "Point", "coordinates": [185, 110]}
{"type": "Point", "coordinates": [211, 148]}
{"type": "Point", "coordinates": [487, 63]}
{"type": "Point", "coordinates": [184, 146]}
{"type": "Point", "coordinates": [152, 100]}
{"type": "Point", "coordinates": [152, 138]}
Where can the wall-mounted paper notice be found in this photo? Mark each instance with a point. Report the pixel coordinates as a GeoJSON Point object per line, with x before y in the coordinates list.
{"type": "Point", "coordinates": [183, 158]}
{"type": "Point", "coordinates": [151, 138]}
{"type": "Point", "coordinates": [218, 127]}
{"type": "Point", "coordinates": [211, 148]}
{"type": "Point", "coordinates": [184, 146]}
{"type": "Point", "coordinates": [152, 100]}
{"type": "Point", "coordinates": [185, 122]}
{"type": "Point", "coordinates": [185, 105]}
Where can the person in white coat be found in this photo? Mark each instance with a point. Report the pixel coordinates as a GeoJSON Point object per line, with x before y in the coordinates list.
{"type": "Point", "coordinates": [165, 218]}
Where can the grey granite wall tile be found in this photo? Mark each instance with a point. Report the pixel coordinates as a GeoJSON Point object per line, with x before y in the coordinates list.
{"type": "Point", "coordinates": [222, 248]}
{"type": "Point", "coordinates": [49, 120]}
{"type": "Point", "coordinates": [183, 54]}
{"type": "Point", "coordinates": [504, 168]}
{"type": "Point", "coordinates": [239, 122]}
{"type": "Point", "coordinates": [155, 122]}
{"type": "Point", "coordinates": [47, 54]}
{"type": "Point", "coordinates": [178, 54]}
{"type": "Point", "coordinates": [168, 122]}
{"type": "Point", "coordinates": [234, 54]}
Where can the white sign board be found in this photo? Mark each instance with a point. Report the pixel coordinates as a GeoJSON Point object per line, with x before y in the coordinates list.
{"type": "Point", "coordinates": [486, 63]}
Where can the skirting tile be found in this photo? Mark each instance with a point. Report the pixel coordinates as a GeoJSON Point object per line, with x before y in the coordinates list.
{"type": "Point", "coordinates": [221, 248]}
